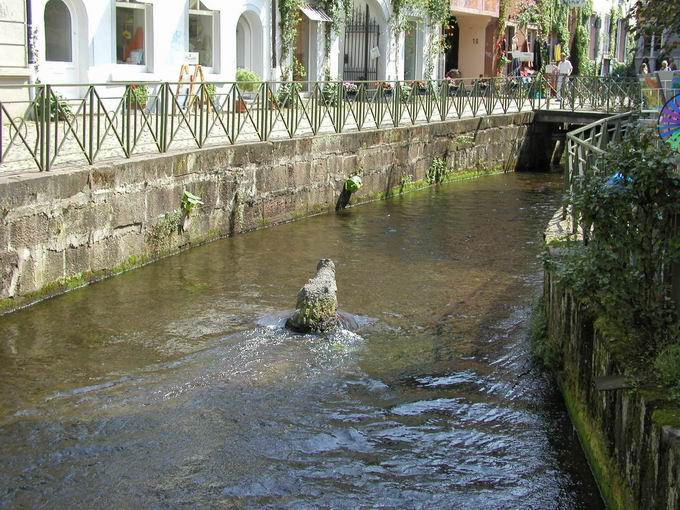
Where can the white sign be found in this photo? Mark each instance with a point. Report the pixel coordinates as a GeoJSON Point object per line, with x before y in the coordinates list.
{"type": "Point", "coordinates": [191, 58]}
{"type": "Point", "coordinates": [375, 53]}
{"type": "Point", "coordinates": [523, 56]}
{"type": "Point", "coordinates": [576, 3]}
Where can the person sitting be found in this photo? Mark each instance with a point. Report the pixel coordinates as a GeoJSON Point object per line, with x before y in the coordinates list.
{"type": "Point", "coordinates": [665, 66]}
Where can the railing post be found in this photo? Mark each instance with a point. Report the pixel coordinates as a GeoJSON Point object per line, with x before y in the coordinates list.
{"type": "Point", "coordinates": [48, 114]}
{"type": "Point", "coordinates": [607, 87]}
{"type": "Point", "coordinates": [40, 112]}
{"type": "Point", "coordinates": [162, 116]}
{"type": "Point", "coordinates": [2, 133]}
{"type": "Point", "coordinates": [90, 122]}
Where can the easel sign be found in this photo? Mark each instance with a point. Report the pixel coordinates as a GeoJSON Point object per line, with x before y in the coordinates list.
{"type": "Point", "coordinates": [191, 58]}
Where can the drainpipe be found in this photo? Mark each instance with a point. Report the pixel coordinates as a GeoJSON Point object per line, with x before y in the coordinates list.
{"type": "Point", "coordinates": [273, 34]}
{"type": "Point", "coordinates": [30, 49]}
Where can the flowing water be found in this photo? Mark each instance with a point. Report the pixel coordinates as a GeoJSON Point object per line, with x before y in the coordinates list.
{"type": "Point", "coordinates": [175, 386]}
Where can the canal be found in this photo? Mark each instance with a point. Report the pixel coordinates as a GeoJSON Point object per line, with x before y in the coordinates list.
{"type": "Point", "coordinates": [175, 386]}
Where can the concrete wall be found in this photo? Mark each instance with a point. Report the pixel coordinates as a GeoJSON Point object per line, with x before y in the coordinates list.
{"type": "Point", "coordinates": [632, 446]}
{"type": "Point", "coordinates": [65, 228]}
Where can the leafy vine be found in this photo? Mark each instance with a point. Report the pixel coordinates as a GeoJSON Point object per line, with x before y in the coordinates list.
{"type": "Point", "coordinates": [339, 11]}
{"type": "Point", "coordinates": [503, 13]}
{"type": "Point", "coordinates": [289, 11]}
{"type": "Point", "coordinates": [583, 64]}
{"type": "Point", "coordinates": [437, 14]}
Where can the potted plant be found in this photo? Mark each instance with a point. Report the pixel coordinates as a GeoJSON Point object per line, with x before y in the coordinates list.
{"type": "Point", "coordinates": [211, 92]}
{"type": "Point", "coordinates": [351, 90]}
{"type": "Point", "coordinates": [247, 82]}
{"type": "Point", "coordinates": [385, 88]}
{"type": "Point", "coordinates": [405, 90]}
{"type": "Point", "coordinates": [452, 85]}
{"type": "Point", "coordinates": [139, 96]}
{"type": "Point", "coordinates": [329, 93]}
{"type": "Point", "coordinates": [421, 87]}
{"type": "Point", "coordinates": [285, 94]}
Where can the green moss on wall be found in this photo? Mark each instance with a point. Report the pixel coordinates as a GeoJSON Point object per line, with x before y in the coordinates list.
{"type": "Point", "coordinates": [667, 417]}
{"type": "Point", "coordinates": [613, 487]}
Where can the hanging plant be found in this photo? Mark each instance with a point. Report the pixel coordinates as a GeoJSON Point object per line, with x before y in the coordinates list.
{"type": "Point", "coordinates": [289, 11]}
{"type": "Point", "coordinates": [501, 54]}
{"type": "Point", "coordinates": [583, 64]}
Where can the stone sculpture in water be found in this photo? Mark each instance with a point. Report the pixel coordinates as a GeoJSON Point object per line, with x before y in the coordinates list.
{"type": "Point", "coordinates": [317, 302]}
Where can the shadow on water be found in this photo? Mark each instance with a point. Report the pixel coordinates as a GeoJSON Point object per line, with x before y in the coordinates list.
{"type": "Point", "coordinates": [175, 385]}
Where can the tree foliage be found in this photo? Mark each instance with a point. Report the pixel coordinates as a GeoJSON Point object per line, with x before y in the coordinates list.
{"type": "Point", "coordinates": [623, 273]}
{"type": "Point", "coordinates": [653, 17]}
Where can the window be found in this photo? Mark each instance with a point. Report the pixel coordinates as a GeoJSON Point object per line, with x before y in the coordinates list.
{"type": "Point", "coordinates": [607, 36]}
{"type": "Point", "coordinates": [58, 35]}
{"type": "Point", "coordinates": [410, 36]}
{"type": "Point", "coordinates": [594, 37]}
{"type": "Point", "coordinates": [202, 32]}
{"type": "Point", "coordinates": [622, 39]}
{"type": "Point", "coordinates": [131, 33]}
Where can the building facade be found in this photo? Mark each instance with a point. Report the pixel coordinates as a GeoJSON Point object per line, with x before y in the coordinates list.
{"type": "Point", "coordinates": [14, 50]}
{"type": "Point", "coordinates": [109, 41]}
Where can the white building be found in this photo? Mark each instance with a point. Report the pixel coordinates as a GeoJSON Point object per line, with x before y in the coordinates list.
{"type": "Point", "coordinates": [95, 41]}
{"type": "Point", "coordinates": [146, 40]}
{"type": "Point", "coordinates": [14, 51]}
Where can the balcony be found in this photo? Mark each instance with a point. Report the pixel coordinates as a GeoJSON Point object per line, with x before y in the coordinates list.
{"type": "Point", "coordinates": [481, 7]}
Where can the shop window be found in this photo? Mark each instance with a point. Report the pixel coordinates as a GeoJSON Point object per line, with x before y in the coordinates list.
{"type": "Point", "coordinates": [58, 34]}
{"type": "Point", "coordinates": [202, 29]}
{"type": "Point", "coordinates": [131, 32]}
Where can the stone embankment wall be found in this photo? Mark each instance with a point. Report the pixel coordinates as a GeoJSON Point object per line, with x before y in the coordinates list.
{"type": "Point", "coordinates": [629, 435]}
{"type": "Point", "coordinates": [63, 229]}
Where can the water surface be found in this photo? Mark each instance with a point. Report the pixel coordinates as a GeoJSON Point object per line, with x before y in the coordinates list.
{"type": "Point", "coordinates": [173, 386]}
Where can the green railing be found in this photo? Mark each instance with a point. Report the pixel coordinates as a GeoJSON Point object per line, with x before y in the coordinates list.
{"type": "Point", "coordinates": [586, 151]}
{"type": "Point", "coordinates": [66, 125]}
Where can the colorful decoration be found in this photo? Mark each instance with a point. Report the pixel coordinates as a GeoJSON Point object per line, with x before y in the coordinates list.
{"type": "Point", "coordinates": [669, 122]}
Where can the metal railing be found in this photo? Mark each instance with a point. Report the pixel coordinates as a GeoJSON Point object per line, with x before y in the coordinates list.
{"type": "Point", "coordinates": [67, 125]}
{"type": "Point", "coordinates": [586, 151]}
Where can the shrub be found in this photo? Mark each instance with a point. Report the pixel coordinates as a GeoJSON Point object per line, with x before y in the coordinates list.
{"type": "Point", "coordinates": [139, 95]}
{"type": "Point", "coordinates": [247, 80]}
{"type": "Point", "coordinates": [437, 171]}
{"type": "Point", "coordinates": [622, 274]}
{"type": "Point", "coordinates": [667, 365]}
{"type": "Point", "coordinates": [546, 353]}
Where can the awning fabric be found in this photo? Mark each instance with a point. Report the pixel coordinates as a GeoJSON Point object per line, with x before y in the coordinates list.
{"type": "Point", "coordinates": [315, 14]}
{"type": "Point", "coordinates": [213, 5]}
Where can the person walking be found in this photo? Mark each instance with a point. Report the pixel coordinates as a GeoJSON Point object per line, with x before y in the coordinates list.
{"type": "Point", "coordinates": [564, 69]}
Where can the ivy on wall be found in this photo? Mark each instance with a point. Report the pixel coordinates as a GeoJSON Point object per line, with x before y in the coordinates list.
{"type": "Point", "coordinates": [583, 64]}
{"type": "Point", "coordinates": [338, 11]}
{"type": "Point", "coordinates": [437, 14]}
{"type": "Point", "coordinates": [289, 12]}
{"type": "Point", "coordinates": [503, 14]}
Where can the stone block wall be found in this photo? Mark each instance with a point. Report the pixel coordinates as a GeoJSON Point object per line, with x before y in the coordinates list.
{"type": "Point", "coordinates": [632, 449]}
{"type": "Point", "coordinates": [63, 229]}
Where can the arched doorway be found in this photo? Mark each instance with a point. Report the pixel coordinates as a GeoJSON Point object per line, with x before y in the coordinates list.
{"type": "Point", "coordinates": [58, 32]}
{"type": "Point", "coordinates": [64, 43]}
{"type": "Point", "coordinates": [249, 39]}
{"type": "Point", "coordinates": [365, 46]}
